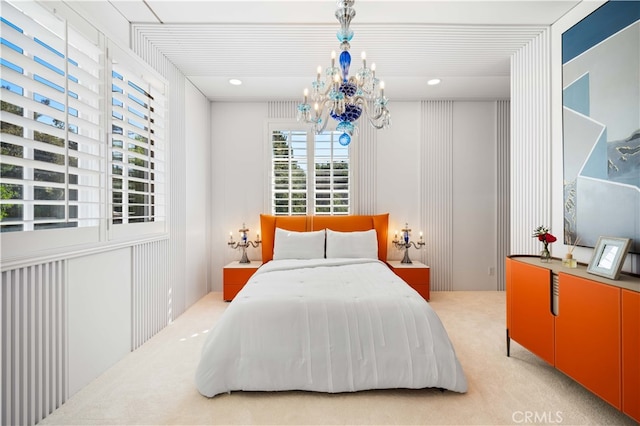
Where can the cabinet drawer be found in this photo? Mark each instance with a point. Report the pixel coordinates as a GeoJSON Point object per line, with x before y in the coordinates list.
{"type": "Point", "coordinates": [414, 276]}
{"type": "Point", "coordinates": [237, 276]}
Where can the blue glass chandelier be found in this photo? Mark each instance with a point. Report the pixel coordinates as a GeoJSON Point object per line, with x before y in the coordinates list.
{"type": "Point", "coordinates": [340, 96]}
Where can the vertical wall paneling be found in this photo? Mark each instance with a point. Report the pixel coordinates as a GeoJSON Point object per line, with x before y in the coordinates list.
{"type": "Point", "coordinates": [364, 156]}
{"type": "Point", "coordinates": [437, 189]}
{"type": "Point", "coordinates": [33, 349]}
{"type": "Point", "coordinates": [530, 192]}
{"type": "Point", "coordinates": [176, 173]}
{"type": "Point", "coordinates": [283, 110]}
{"type": "Point", "coordinates": [151, 292]}
{"type": "Point", "coordinates": [503, 137]}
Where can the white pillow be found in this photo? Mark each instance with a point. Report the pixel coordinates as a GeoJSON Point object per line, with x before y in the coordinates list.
{"type": "Point", "coordinates": [360, 244]}
{"type": "Point", "coordinates": [298, 245]}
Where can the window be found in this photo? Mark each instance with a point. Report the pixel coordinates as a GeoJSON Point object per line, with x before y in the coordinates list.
{"type": "Point", "coordinates": [297, 188]}
{"type": "Point", "coordinates": [50, 145]}
{"type": "Point", "coordinates": [82, 135]}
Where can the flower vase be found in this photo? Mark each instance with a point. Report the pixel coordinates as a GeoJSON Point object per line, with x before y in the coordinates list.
{"type": "Point", "coordinates": [545, 254]}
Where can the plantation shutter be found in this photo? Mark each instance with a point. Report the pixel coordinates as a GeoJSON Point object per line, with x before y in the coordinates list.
{"type": "Point", "coordinates": [137, 168]}
{"type": "Point", "coordinates": [296, 191]}
{"type": "Point", "coordinates": [289, 172]}
{"type": "Point", "coordinates": [331, 177]}
{"type": "Point", "coordinates": [50, 120]}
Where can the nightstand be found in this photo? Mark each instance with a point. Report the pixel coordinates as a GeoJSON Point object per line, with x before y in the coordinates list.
{"type": "Point", "coordinates": [234, 276]}
{"type": "Point", "coordinates": [415, 274]}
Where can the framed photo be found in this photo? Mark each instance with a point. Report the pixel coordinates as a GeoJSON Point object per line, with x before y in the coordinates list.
{"type": "Point", "coordinates": [608, 257]}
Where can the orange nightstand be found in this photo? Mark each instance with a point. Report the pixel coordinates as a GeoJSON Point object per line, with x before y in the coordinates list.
{"type": "Point", "coordinates": [415, 274]}
{"type": "Point", "coordinates": [234, 276]}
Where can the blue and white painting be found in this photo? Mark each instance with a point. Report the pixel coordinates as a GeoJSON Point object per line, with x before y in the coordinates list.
{"type": "Point", "coordinates": [601, 125]}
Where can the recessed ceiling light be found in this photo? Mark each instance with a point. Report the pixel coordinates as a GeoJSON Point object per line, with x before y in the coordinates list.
{"type": "Point", "coordinates": [433, 81]}
{"type": "Point", "coordinates": [235, 82]}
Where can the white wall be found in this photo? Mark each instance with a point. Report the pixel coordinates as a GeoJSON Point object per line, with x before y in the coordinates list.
{"type": "Point", "coordinates": [239, 176]}
{"type": "Point", "coordinates": [398, 171]}
{"type": "Point", "coordinates": [197, 207]}
{"type": "Point", "coordinates": [240, 168]}
{"type": "Point", "coordinates": [99, 314]}
{"type": "Point", "coordinates": [474, 196]}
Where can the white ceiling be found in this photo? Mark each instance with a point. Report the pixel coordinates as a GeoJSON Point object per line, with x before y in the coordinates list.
{"type": "Point", "coordinates": [275, 46]}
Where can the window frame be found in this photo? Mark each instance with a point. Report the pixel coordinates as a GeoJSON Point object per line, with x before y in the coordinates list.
{"type": "Point", "coordinates": [157, 87]}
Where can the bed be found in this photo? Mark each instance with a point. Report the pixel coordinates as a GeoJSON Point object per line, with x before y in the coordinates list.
{"type": "Point", "coordinates": [325, 313]}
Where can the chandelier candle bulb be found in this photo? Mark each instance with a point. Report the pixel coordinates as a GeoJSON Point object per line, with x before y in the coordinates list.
{"type": "Point", "coordinates": [364, 60]}
{"type": "Point", "coordinates": [382, 89]}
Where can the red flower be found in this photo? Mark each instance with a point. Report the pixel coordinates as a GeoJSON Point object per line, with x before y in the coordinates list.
{"type": "Point", "coordinates": [542, 233]}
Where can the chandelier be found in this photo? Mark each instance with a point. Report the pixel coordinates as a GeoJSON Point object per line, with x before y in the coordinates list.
{"type": "Point", "coordinates": [340, 96]}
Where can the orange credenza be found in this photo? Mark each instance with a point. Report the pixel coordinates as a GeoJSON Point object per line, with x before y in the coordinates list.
{"type": "Point", "coordinates": [586, 326]}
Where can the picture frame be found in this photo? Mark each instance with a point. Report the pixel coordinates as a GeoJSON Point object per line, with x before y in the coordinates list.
{"type": "Point", "coordinates": [608, 257]}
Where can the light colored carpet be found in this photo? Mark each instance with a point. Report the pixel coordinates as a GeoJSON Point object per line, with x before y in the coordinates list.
{"type": "Point", "coordinates": [154, 385]}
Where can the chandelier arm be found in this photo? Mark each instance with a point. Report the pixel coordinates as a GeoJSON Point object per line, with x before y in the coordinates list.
{"type": "Point", "coordinates": [375, 125]}
{"type": "Point", "coordinates": [322, 111]}
{"type": "Point", "coordinates": [373, 118]}
{"type": "Point", "coordinates": [365, 106]}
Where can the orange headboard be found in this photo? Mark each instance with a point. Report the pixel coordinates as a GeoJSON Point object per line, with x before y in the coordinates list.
{"type": "Point", "coordinates": [269, 223]}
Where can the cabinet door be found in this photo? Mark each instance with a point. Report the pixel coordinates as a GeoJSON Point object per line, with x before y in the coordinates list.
{"type": "Point", "coordinates": [588, 335]}
{"type": "Point", "coordinates": [530, 321]}
{"type": "Point", "coordinates": [631, 353]}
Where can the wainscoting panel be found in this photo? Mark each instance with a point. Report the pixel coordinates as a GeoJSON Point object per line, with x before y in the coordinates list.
{"type": "Point", "coordinates": [33, 354]}
{"type": "Point", "coordinates": [530, 192]}
{"type": "Point", "coordinates": [151, 294]}
{"type": "Point", "coordinates": [436, 198]}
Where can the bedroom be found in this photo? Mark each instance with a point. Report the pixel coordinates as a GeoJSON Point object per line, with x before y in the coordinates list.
{"type": "Point", "coordinates": [392, 177]}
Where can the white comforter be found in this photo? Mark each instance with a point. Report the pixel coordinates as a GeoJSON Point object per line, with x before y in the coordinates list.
{"type": "Point", "coordinates": [328, 325]}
